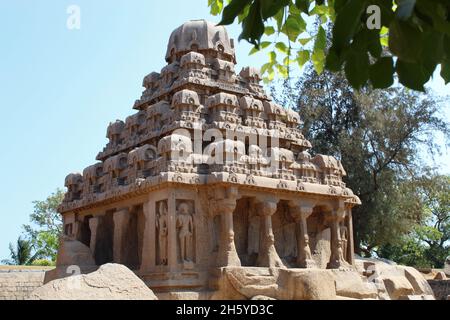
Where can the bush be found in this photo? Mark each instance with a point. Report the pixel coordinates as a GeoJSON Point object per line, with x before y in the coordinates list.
{"type": "Point", "coordinates": [43, 263]}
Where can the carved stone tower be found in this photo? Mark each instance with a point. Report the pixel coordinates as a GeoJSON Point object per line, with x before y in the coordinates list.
{"type": "Point", "coordinates": [209, 173]}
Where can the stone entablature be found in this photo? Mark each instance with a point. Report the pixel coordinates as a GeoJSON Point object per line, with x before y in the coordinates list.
{"type": "Point", "coordinates": [209, 172]}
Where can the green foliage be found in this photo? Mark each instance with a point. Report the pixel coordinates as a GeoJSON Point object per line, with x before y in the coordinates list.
{"type": "Point", "coordinates": [46, 226]}
{"type": "Point", "coordinates": [43, 263]}
{"type": "Point", "coordinates": [428, 244]}
{"type": "Point", "coordinates": [413, 40]}
{"type": "Point", "coordinates": [21, 254]}
{"type": "Point", "coordinates": [379, 136]}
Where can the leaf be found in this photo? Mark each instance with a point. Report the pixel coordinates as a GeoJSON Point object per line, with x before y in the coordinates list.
{"type": "Point", "coordinates": [273, 57]}
{"type": "Point", "coordinates": [293, 10]}
{"type": "Point", "coordinates": [293, 27]}
{"type": "Point", "coordinates": [381, 73]}
{"type": "Point", "coordinates": [321, 39]}
{"type": "Point", "coordinates": [357, 68]}
{"type": "Point", "coordinates": [320, 10]}
{"type": "Point", "coordinates": [253, 51]}
{"type": "Point", "coordinates": [386, 8]}
{"type": "Point", "coordinates": [333, 61]}
{"type": "Point", "coordinates": [346, 23]}
{"type": "Point", "coordinates": [271, 74]}
{"type": "Point", "coordinates": [302, 5]}
{"type": "Point", "coordinates": [304, 41]}
{"type": "Point", "coordinates": [302, 57]}
{"type": "Point", "coordinates": [216, 6]}
{"type": "Point", "coordinates": [269, 8]}
{"type": "Point", "coordinates": [268, 31]}
{"type": "Point", "coordinates": [446, 44]}
{"type": "Point", "coordinates": [445, 71]}
{"type": "Point", "coordinates": [318, 60]}
{"type": "Point", "coordinates": [232, 10]}
{"type": "Point", "coordinates": [265, 67]}
{"type": "Point", "coordinates": [279, 17]}
{"type": "Point", "coordinates": [265, 44]}
{"type": "Point", "coordinates": [282, 70]}
{"type": "Point", "coordinates": [384, 37]}
{"type": "Point", "coordinates": [368, 40]}
{"type": "Point", "coordinates": [405, 41]}
{"type": "Point", "coordinates": [287, 61]}
{"type": "Point", "coordinates": [243, 14]}
{"type": "Point", "coordinates": [433, 48]}
{"type": "Point", "coordinates": [252, 25]}
{"type": "Point", "coordinates": [405, 9]}
{"type": "Point", "coordinates": [282, 47]}
{"type": "Point", "coordinates": [411, 75]}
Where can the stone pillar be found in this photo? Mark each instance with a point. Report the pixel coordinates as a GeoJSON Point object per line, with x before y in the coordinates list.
{"type": "Point", "coordinates": [301, 214]}
{"type": "Point", "coordinates": [149, 238]}
{"type": "Point", "coordinates": [337, 260]}
{"type": "Point", "coordinates": [76, 230]}
{"type": "Point", "coordinates": [121, 219]}
{"type": "Point", "coordinates": [93, 226]}
{"type": "Point", "coordinates": [172, 247]}
{"type": "Point", "coordinates": [267, 256]}
{"type": "Point", "coordinates": [227, 255]}
{"type": "Point", "coordinates": [351, 246]}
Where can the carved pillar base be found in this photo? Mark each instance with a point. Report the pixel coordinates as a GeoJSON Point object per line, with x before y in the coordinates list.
{"type": "Point", "coordinates": [268, 256]}
{"type": "Point", "coordinates": [301, 213]}
{"type": "Point", "coordinates": [227, 250]}
{"type": "Point", "coordinates": [337, 260]}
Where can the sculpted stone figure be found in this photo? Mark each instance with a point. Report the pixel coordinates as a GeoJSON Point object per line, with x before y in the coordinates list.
{"type": "Point", "coordinates": [185, 228]}
{"type": "Point", "coordinates": [344, 241]}
{"type": "Point", "coordinates": [162, 226]}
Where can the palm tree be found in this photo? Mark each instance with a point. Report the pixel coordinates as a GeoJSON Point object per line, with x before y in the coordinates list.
{"type": "Point", "coordinates": [22, 254]}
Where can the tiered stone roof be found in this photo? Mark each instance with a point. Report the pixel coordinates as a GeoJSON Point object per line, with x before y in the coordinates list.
{"type": "Point", "coordinates": [196, 91]}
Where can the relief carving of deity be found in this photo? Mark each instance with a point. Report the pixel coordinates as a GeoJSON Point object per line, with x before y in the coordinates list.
{"type": "Point", "coordinates": [162, 226]}
{"type": "Point", "coordinates": [185, 228]}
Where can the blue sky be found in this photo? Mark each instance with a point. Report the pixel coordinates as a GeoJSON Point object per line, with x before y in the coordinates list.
{"type": "Point", "coordinates": [60, 88]}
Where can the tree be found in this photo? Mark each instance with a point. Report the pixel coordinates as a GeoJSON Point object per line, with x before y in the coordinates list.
{"type": "Point", "coordinates": [428, 244]}
{"type": "Point", "coordinates": [377, 135]}
{"type": "Point", "coordinates": [21, 254]}
{"type": "Point", "coordinates": [372, 40]}
{"type": "Point", "coordinates": [46, 226]}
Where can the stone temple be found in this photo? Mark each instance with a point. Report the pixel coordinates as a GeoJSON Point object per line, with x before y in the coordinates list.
{"type": "Point", "coordinates": [208, 175]}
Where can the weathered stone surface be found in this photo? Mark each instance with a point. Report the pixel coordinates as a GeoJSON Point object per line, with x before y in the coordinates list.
{"type": "Point", "coordinates": [322, 250]}
{"type": "Point", "coordinates": [307, 284]}
{"type": "Point", "coordinates": [393, 281]}
{"type": "Point", "coordinates": [251, 282]}
{"type": "Point", "coordinates": [16, 283]}
{"type": "Point", "coordinates": [419, 283]}
{"type": "Point", "coordinates": [398, 286]}
{"type": "Point", "coordinates": [441, 288]}
{"type": "Point", "coordinates": [283, 284]}
{"type": "Point", "coordinates": [109, 282]}
{"type": "Point", "coordinates": [440, 276]}
{"type": "Point", "coordinates": [350, 284]}
{"type": "Point", "coordinates": [73, 256]}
